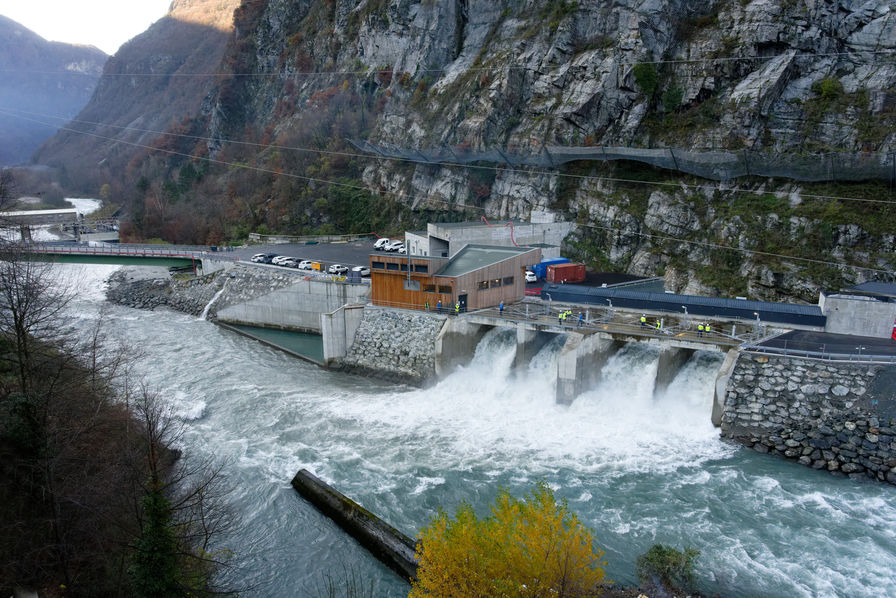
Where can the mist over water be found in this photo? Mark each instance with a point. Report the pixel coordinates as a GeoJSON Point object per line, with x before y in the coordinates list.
{"type": "Point", "coordinates": [637, 469]}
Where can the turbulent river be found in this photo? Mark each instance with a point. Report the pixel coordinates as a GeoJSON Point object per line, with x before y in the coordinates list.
{"type": "Point", "coordinates": [636, 469]}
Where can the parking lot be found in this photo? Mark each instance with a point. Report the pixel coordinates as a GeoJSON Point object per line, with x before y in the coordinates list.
{"type": "Point", "coordinates": [354, 253]}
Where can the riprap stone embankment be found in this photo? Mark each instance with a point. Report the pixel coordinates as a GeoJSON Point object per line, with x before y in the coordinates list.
{"type": "Point", "coordinates": [140, 287]}
{"type": "Point", "coordinates": [395, 345]}
{"type": "Point", "coordinates": [835, 416]}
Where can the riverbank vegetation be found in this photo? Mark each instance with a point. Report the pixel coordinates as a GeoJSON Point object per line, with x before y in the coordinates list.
{"type": "Point", "coordinates": [94, 498]}
{"type": "Point", "coordinates": [533, 547]}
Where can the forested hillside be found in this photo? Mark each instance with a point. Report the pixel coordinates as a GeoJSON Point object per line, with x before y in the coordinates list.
{"type": "Point", "coordinates": [267, 149]}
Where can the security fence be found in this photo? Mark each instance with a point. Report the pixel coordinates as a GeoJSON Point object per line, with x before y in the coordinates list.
{"type": "Point", "coordinates": [713, 165]}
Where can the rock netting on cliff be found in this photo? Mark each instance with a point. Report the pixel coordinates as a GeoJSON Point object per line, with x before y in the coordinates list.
{"type": "Point", "coordinates": [395, 345]}
{"type": "Point", "coordinates": [837, 417]}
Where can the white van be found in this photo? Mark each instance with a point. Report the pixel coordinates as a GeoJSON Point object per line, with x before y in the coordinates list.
{"type": "Point", "coordinates": [381, 243]}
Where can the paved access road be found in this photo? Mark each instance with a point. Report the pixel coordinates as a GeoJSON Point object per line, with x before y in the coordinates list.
{"type": "Point", "coordinates": [825, 342]}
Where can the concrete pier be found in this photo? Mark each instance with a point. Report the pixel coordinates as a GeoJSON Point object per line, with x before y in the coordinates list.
{"type": "Point", "coordinates": [671, 360]}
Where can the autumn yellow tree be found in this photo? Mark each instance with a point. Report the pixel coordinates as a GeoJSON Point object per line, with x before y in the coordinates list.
{"type": "Point", "coordinates": [530, 548]}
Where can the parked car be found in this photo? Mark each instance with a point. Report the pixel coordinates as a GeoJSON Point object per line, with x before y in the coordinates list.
{"type": "Point", "coordinates": [304, 265]}
{"type": "Point", "coordinates": [530, 276]}
{"type": "Point", "coordinates": [263, 258]}
{"type": "Point", "coordinates": [402, 249]}
{"type": "Point", "coordinates": [362, 270]}
{"type": "Point", "coordinates": [337, 269]}
{"type": "Point", "coordinates": [289, 262]}
{"type": "Point", "coordinates": [278, 261]}
{"type": "Point", "coordinates": [381, 243]}
{"type": "Point", "coordinates": [393, 245]}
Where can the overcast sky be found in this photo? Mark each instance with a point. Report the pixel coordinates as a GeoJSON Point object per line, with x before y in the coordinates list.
{"type": "Point", "coordinates": [105, 24]}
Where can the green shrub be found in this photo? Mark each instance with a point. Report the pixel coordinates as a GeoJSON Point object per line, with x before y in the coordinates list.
{"type": "Point", "coordinates": [668, 567]}
{"type": "Point", "coordinates": [646, 77]}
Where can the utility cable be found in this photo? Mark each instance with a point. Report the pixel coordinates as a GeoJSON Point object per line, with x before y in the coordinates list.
{"type": "Point", "coordinates": [530, 172]}
{"type": "Point", "coordinates": [408, 197]}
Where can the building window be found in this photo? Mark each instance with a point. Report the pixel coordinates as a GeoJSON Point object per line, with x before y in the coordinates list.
{"type": "Point", "coordinates": [483, 285]}
{"type": "Point", "coordinates": [508, 282]}
{"type": "Point", "coordinates": [378, 266]}
{"type": "Point", "coordinates": [429, 288]}
{"type": "Point", "coordinates": [412, 285]}
{"type": "Point", "coordinates": [495, 283]}
{"type": "Point", "coordinates": [404, 267]}
{"type": "Point", "coordinates": [391, 266]}
{"type": "Point", "coordinates": [422, 268]}
{"type": "Point", "coordinates": [444, 290]}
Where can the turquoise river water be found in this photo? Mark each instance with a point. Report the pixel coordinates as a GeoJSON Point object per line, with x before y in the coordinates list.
{"type": "Point", "coordinates": [638, 470]}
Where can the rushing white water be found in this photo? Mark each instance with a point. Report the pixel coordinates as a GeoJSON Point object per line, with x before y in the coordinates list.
{"type": "Point", "coordinates": [211, 302]}
{"type": "Point", "coordinates": [637, 469]}
{"type": "Point", "coordinates": [85, 205]}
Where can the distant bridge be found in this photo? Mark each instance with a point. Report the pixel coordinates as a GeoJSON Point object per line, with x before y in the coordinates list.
{"type": "Point", "coordinates": [143, 255]}
{"type": "Point", "coordinates": [40, 217]}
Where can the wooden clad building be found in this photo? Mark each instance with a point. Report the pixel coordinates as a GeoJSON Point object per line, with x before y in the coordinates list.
{"type": "Point", "coordinates": [477, 276]}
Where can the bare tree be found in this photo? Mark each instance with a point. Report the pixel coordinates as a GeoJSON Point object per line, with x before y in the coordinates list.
{"type": "Point", "coordinates": [33, 298]}
{"type": "Point", "coordinates": [183, 511]}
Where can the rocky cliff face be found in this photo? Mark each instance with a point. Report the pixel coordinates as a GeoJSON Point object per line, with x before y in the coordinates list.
{"type": "Point", "coordinates": [787, 79]}
{"type": "Point", "coordinates": [43, 82]}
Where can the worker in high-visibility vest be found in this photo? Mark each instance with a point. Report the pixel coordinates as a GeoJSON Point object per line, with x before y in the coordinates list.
{"type": "Point", "coordinates": [700, 329]}
{"type": "Point", "coordinates": [456, 308]}
{"type": "Point", "coordinates": [706, 329]}
{"type": "Point", "coordinates": [659, 324]}
{"type": "Point", "coordinates": [643, 319]}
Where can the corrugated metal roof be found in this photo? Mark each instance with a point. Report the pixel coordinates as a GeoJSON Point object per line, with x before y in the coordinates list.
{"type": "Point", "coordinates": [476, 257]}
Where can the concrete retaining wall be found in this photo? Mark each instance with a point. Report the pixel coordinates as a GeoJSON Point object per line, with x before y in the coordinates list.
{"type": "Point", "coordinates": [837, 417]}
{"type": "Point", "coordinates": [338, 331]}
{"type": "Point", "coordinates": [282, 299]}
{"type": "Point", "coordinates": [863, 316]}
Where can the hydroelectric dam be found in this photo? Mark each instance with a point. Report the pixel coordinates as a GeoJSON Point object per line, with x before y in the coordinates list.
{"type": "Point", "coordinates": [824, 399]}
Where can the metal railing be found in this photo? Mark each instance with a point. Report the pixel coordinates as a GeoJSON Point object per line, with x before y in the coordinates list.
{"type": "Point", "coordinates": [820, 355]}
{"type": "Point", "coordinates": [113, 249]}
{"type": "Point", "coordinates": [307, 239]}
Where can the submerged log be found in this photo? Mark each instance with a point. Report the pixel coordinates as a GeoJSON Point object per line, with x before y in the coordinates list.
{"type": "Point", "coordinates": [386, 543]}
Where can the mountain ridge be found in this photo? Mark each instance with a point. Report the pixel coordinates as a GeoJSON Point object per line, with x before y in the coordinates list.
{"type": "Point", "coordinates": [266, 149]}
{"type": "Point", "coordinates": [41, 78]}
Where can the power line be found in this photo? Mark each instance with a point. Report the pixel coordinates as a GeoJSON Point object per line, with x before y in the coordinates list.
{"type": "Point", "coordinates": [411, 197]}
{"type": "Point", "coordinates": [493, 68]}
{"type": "Point", "coordinates": [247, 167]}
{"type": "Point", "coordinates": [531, 172]}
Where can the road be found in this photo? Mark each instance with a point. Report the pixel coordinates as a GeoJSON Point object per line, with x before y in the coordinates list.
{"type": "Point", "coordinates": [825, 342]}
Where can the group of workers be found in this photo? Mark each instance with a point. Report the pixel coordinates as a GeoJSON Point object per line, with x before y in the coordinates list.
{"type": "Point", "coordinates": [658, 325]}
{"type": "Point", "coordinates": [702, 327]}
{"type": "Point", "coordinates": [563, 316]}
